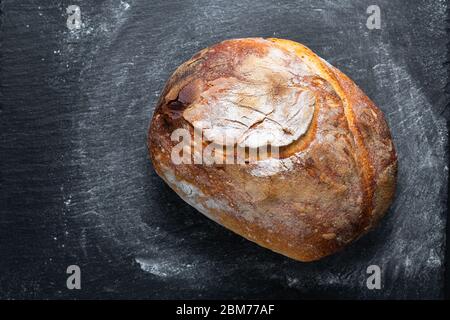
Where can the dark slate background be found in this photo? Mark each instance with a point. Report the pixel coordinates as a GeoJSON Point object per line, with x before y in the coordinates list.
{"type": "Point", "coordinates": [78, 188]}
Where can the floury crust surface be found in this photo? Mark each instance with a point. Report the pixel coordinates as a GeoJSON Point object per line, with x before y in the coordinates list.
{"type": "Point", "coordinates": [336, 174]}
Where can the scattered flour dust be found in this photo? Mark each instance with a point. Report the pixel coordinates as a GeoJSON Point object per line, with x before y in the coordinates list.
{"type": "Point", "coordinates": [162, 269]}
{"type": "Point", "coordinates": [124, 5]}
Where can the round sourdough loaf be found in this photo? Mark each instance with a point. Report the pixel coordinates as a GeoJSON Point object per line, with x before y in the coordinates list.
{"type": "Point", "coordinates": [272, 142]}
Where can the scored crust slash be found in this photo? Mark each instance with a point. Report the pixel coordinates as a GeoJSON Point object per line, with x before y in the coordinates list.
{"type": "Point", "coordinates": [334, 175]}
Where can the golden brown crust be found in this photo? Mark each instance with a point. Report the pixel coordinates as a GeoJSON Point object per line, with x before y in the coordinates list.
{"type": "Point", "coordinates": [330, 185]}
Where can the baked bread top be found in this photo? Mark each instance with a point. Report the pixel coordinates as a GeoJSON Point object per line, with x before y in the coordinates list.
{"type": "Point", "coordinates": [330, 172]}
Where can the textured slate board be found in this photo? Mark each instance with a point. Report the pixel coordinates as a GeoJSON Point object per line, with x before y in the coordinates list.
{"type": "Point", "coordinates": [77, 186]}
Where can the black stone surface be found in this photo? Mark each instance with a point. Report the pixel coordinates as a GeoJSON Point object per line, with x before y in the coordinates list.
{"type": "Point", "coordinates": [77, 186]}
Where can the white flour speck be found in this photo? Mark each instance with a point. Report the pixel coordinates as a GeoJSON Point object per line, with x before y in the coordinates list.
{"type": "Point", "coordinates": [125, 5]}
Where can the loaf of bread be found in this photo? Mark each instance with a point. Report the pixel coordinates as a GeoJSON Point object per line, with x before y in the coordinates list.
{"type": "Point", "coordinates": [272, 142]}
